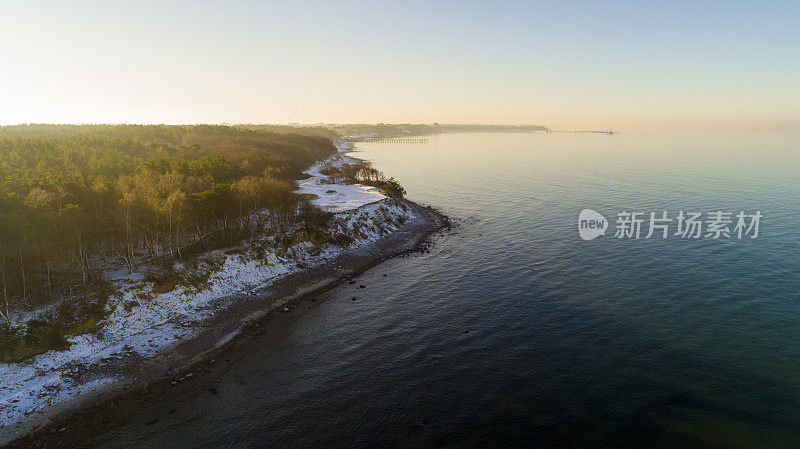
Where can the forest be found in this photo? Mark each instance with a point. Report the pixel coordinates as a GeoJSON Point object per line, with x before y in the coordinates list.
{"type": "Point", "coordinates": [73, 197]}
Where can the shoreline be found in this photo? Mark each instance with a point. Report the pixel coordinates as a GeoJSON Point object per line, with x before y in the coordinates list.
{"type": "Point", "coordinates": [283, 299]}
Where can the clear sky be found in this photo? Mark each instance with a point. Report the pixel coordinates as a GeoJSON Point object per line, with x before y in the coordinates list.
{"type": "Point", "coordinates": [611, 64]}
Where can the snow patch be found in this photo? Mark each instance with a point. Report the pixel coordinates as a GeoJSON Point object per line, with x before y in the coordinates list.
{"type": "Point", "coordinates": [336, 197]}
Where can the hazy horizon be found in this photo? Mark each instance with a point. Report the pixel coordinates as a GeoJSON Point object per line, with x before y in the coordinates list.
{"type": "Point", "coordinates": [619, 65]}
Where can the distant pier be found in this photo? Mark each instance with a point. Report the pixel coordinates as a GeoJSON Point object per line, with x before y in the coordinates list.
{"type": "Point", "coordinates": [609, 132]}
{"type": "Point", "coordinates": [398, 140]}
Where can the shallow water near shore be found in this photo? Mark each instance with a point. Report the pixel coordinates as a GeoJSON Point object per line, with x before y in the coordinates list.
{"type": "Point", "coordinates": [512, 330]}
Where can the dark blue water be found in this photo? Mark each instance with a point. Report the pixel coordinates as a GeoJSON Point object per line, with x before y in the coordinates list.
{"type": "Point", "coordinates": [514, 331]}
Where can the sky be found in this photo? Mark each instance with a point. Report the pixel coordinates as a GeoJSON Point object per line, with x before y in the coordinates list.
{"type": "Point", "coordinates": [610, 64]}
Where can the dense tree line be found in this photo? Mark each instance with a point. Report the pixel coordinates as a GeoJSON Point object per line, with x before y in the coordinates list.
{"type": "Point", "coordinates": [364, 173]}
{"type": "Point", "coordinates": [162, 134]}
{"type": "Point", "coordinates": [72, 197]}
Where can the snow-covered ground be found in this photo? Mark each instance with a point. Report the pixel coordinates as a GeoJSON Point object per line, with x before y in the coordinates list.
{"type": "Point", "coordinates": [337, 197]}
{"type": "Point", "coordinates": [144, 322]}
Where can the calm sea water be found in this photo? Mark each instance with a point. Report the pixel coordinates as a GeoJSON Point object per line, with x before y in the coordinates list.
{"type": "Point", "coordinates": [514, 331]}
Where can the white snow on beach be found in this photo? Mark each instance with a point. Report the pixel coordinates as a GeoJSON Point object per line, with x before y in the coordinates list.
{"type": "Point", "coordinates": [145, 322]}
{"type": "Point", "coordinates": [337, 197]}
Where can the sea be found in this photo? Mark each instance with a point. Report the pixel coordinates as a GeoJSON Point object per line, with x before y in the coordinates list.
{"type": "Point", "coordinates": [512, 330]}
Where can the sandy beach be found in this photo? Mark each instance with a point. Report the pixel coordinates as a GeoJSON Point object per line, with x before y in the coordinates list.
{"type": "Point", "coordinates": [174, 331]}
{"type": "Point", "coordinates": [198, 357]}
